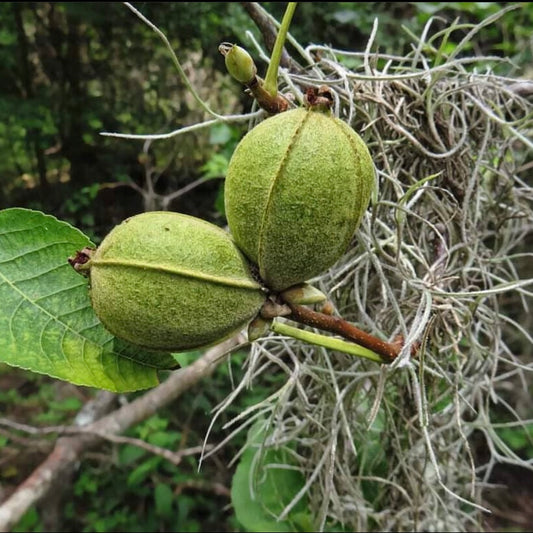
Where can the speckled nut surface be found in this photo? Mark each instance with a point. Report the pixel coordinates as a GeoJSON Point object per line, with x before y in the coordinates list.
{"type": "Point", "coordinates": [167, 281]}
{"type": "Point", "coordinates": [296, 189]}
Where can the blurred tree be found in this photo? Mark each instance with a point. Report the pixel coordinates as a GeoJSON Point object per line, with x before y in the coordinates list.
{"type": "Point", "coordinates": [71, 70]}
{"type": "Point", "coordinates": [70, 74]}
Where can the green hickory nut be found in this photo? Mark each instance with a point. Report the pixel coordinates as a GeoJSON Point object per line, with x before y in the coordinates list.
{"type": "Point", "coordinates": [296, 189]}
{"type": "Point", "coordinates": [171, 282]}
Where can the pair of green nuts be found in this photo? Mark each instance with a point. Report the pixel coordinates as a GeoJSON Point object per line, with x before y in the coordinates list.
{"type": "Point", "coordinates": [296, 189]}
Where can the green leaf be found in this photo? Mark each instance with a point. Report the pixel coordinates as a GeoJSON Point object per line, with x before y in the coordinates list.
{"type": "Point", "coordinates": [129, 454]}
{"type": "Point", "coordinates": [186, 358]}
{"type": "Point", "coordinates": [163, 497]}
{"type": "Point", "coordinates": [30, 521]}
{"type": "Point", "coordinates": [7, 38]}
{"type": "Point", "coordinates": [47, 324]}
{"type": "Point", "coordinates": [220, 133]}
{"type": "Point", "coordinates": [264, 483]}
{"type": "Point", "coordinates": [139, 474]}
{"type": "Point", "coordinates": [215, 167]}
{"type": "Point", "coordinates": [518, 438]}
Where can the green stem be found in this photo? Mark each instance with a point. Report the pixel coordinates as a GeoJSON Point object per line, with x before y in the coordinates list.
{"type": "Point", "coordinates": [271, 78]}
{"type": "Point", "coordinates": [327, 342]}
{"type": "Point", "coordinates": [175, 60]}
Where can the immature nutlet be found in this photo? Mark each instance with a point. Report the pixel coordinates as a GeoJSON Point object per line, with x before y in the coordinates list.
{"type": "Point", "coordinates": [172, 282]}
{"type": "Point", "coordinates": [296, 189]}
{"type": "Point", "coordinates": [239, 62]}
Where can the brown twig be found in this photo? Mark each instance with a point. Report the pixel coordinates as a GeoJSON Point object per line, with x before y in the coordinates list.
{"type": "Point", "coordinates": [307, 316]}
{"type": "Point", "coordinates": [26, 442]}
{"type": "Point", "coordinates": [205, 486]}
{"type": "Point", "coordinates": [269, 32]}
{"type": "Point", "coordinates": [174, 457]}
{"type": "Point", "coordinates": [51, 473]}
{"type": "Point", "coordinates": [271, 104]}
{"type": "Point", "coordinates": [522, 88]}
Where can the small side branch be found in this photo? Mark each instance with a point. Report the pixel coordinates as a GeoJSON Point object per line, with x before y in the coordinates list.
{"type": "Point", "coordinates": [304, 315]}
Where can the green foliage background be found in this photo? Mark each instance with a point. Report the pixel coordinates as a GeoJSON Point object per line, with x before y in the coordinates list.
{"type": "Point", "coordinates": [72, 70]}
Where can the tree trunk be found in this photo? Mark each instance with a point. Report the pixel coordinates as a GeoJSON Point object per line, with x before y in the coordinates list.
{"type": "Point", "coordinates": [75, 148]}
{"type": "Point", "coordinates": [33, 134]}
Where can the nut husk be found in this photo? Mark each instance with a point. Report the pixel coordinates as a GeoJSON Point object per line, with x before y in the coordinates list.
{"type": "Point", "coordinates": [296, 189]}
{"type": "Point", "coordinates": [168, 281]}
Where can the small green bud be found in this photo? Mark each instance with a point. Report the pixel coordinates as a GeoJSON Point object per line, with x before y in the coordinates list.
{"type": "Point", "coordinates": [303, 294]}
{"type": "Point", "coordinates": [239, 62]}
{"type": "Point", "coordinates": [258, 327]}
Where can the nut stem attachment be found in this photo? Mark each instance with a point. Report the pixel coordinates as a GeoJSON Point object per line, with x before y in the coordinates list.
{"type": "Point", "coordinates": [241, 67]}
{"type": "Point", "coordinates": [264, 91]}
{"type": "Point", "coordinates": [327, 342]}
{"type": "Point", "coordinates": [387, 351]}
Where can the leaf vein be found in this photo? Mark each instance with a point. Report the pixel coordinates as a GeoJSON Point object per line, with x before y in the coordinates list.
{"type": "Point", "coordinates": [42, 309]}
{"type": "Point", "coordinates": [55, 293]}
{"type": "Point", "coordinates": [25, 253]}
{"type": "Point", "coordinates": [41, 343]}
{"type": "Point", "coordinates": [12, 318]}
